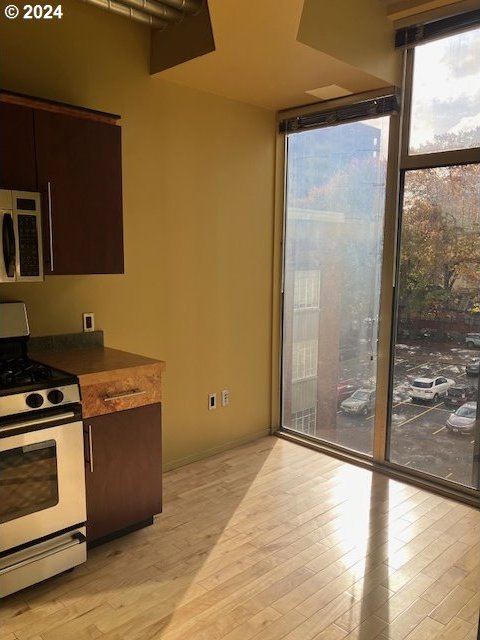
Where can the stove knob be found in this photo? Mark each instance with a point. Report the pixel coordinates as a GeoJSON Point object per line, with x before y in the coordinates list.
{"type": "Point", "coordinates": [55, 396]}
{"type": "Point", "coordinates": [34, 400]}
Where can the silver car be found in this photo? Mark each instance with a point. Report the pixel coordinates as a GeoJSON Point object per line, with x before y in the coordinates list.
{"type": "Point", "coordinates": [473, 367]}
{"type": "Point", "coordinates": [472, 340]}
{"type": "Point", "coordinates": [463, 420]}
{"type": "Point", "coordinates": [361, 402]}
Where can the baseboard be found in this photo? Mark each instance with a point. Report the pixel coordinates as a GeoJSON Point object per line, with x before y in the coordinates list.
{"type": "Point", "coordinates": [207, 453]}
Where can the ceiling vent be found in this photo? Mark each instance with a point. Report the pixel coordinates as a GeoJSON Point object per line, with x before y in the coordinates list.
{"type": "Point", "coordinates": [329, 92]}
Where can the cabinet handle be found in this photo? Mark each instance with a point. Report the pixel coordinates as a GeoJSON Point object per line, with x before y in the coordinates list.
{"type": "Point", "coordinates": [50, 222]}
{"type": "Point", "coordinates": [127, 394]}
{"type": "Point", "coordinates": [90, 448]}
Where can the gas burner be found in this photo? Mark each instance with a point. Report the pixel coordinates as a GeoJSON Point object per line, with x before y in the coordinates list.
{"type": "Point", "coordinates": [28, 386]}
{"type": "Point", "coordinates": [22, 371]}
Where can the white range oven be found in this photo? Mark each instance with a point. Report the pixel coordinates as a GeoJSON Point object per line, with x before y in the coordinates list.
{"type": "Point", "coordinates": [42, 476]}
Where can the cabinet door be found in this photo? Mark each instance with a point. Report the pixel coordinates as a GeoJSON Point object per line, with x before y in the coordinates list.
{"type": "Point", "coordinates": [124, 476]}
{"type": "Point", "coordinates": [17, 148]}
{"type": "Point", "coordinates": [79, 175]}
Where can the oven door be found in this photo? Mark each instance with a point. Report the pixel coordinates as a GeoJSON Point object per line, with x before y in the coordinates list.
{"type": "Point", "coordinates": [42, 478]}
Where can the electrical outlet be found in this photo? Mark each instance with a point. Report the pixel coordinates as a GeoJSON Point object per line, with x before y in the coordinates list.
{"type": "Point", "coordinates": [225, 397]}
{"type": "Point", "coordinates": [88, 321]}
{"type": "Point", "coordinates": [212, 401]}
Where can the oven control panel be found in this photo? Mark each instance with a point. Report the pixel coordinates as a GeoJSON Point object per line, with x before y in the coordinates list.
{"type": "Point", "coordinates": [36, 400]}
{"type": "Point", "coordinates": [39, 399]}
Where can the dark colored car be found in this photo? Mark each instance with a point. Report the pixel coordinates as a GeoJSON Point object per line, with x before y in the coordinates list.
{"type": "Point", "coordinates": [473, 367]}
{"type": "Point", "coordinates": [460, 394]}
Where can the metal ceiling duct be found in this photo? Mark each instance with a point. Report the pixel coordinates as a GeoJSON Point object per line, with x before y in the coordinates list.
{"type": "Point", "coordinates": [156, 13]}
{"type": "Point", "coordinates": [185, 6]}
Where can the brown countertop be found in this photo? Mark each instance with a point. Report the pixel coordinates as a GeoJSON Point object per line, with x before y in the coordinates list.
{"type": "Point", "coordinates": [110, 380]}
{"type": "Point", "coordinates": [93, 360]}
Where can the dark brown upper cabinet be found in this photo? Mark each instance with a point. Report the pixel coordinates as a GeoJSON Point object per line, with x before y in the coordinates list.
{"type": "Point", "coordinates": [17, 148]}
{"type": "Point", "coordinates": [73, 157]}
{"type": "Point", "coordinates": [79, 176]}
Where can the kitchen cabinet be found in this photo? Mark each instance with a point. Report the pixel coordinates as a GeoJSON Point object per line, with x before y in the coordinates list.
{"type": "Point", "coordinates": [79, 176]}
{"type": "Point", "coordinates": [17, 148]}
{"type": "Point", "coordinates": [121, 407]}
{"type": "Point", "coordinates": [73, 157]}
{"type": "Point", "coordinates": [121, 395]}
{"type": "Point", "coordinates": [124, 471]}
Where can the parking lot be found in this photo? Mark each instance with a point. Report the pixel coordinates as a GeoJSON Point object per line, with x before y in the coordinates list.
{"type": "Point", "coordinates": [419, 438]}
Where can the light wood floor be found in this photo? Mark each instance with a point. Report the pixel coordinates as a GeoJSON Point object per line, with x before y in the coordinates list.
{"type": "Point", "coordinates": [269, 541]}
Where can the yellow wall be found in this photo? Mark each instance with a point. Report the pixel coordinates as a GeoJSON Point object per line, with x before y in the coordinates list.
{"type": "Point", "coordinates": [198, 221]}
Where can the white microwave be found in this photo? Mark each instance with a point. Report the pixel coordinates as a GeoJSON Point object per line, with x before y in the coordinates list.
{"type": "Point", "coordinates": [21, 258]}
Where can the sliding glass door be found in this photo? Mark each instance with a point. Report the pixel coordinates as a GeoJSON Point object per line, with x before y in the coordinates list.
{"type": "Point", "coordinates": [335, 200]}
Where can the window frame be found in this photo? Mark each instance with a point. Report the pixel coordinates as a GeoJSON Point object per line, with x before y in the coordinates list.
{"type": "Point", "coordinates": [425, 160]}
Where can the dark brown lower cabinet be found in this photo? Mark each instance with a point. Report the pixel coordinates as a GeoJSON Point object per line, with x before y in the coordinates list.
{"type": "Point", "coordinates": [123, 471]}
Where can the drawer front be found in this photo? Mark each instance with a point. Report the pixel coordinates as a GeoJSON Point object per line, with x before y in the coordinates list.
{"type": "Point", "coordinates": [118, 390]}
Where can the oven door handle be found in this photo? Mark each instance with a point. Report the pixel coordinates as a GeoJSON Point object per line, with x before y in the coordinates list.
{"type": "Point", "coordinates": [37, 422]}
{"type": "Point", "coordinates": [77, 538]}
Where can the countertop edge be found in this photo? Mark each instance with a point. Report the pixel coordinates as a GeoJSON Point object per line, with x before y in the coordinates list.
{"type": "Point", "coordinates": [94, 361]}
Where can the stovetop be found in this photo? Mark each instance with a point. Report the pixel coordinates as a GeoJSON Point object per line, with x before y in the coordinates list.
{"type": "Point", "coordinates": [17, 372]}
{"type": "Point", "coordinates": [30, 387]}
{"type": "Point", "coordinates": [23, 374]}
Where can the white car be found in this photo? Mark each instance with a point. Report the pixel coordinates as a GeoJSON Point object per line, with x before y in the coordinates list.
{"type": "Point", "coordinates": [430, 388]}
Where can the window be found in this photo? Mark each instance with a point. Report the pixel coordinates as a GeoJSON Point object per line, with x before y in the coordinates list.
{"type": "Point", "coordinates": [439, 260]}
{"type": "Point", "coordinates": [339, 216]}
{"type": "Point", "coordinates": [333, 252]}
{"type": "Point", "coordinates": [445, 111]}
{"type": "Point", "coordinates": [307, 289]}
{"type": "Point", "coordinates": [305, 356]}
{"type": "Point", "coordinates": [305, 421]}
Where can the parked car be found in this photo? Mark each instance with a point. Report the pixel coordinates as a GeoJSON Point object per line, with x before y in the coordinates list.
{"type": "Point", "coordinates": [344, 391]}
{"type": "Point", "coordinates": [460, 394]}
{"type": "Point", "coordinates": [473, 367]}
{"type": "Point", "coordinates": [430, 388]}
{"type": "Point", "coordinates": [361, 402]}
{"type": "Point", "coordinates": [472, 340]}
{"type": "Point", "coordinates": [463, 420]}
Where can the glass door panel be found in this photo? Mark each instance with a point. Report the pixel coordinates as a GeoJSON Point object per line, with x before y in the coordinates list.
{"type": "Point", "coordinates": [434, 426]}
{"type": "Point", "coordinates": [28, 480]}
{"type": "Point", "coordinates": [333, 252]}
